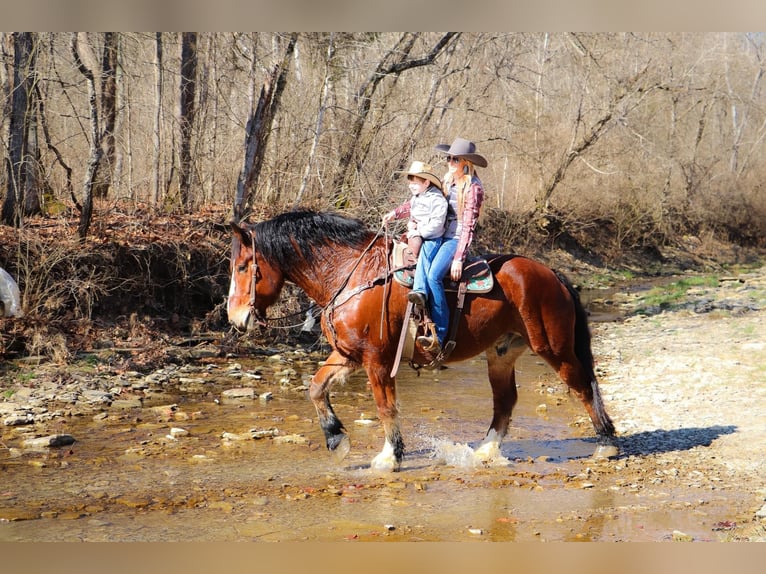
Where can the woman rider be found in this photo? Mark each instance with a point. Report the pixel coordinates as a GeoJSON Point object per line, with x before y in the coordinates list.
{"type": "Point", "coordinates": [465, 195]}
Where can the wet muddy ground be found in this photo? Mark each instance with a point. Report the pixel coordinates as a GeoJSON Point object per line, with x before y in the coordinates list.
{"type": "Point", "coordinates": [230, 450]}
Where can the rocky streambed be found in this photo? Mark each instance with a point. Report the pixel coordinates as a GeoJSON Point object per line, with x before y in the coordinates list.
{"type": "Point", "coordinates": [227, 448]}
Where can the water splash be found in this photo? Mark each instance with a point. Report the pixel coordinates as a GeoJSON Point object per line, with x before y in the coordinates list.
{"type": "Point", "coordinates": [461, 455]}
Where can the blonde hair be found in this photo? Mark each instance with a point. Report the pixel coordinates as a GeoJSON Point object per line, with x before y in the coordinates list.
{"type": "Point", "coordinates": [462, 181]}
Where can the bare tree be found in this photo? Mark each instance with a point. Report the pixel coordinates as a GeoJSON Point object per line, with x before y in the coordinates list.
{"type": "Point", "coordinates": [23, 109]}
{"type": "Point", "coordinates": [259, 127]}
{"type": "Point", "coordinates": [104, 173]}
{"type": "Point", "coordinates": [6, 71]}
{"type": "Point", "coordinates": [157, 131]}
{"type": "Point", "coordinates": [96, 149]}
{"type": "Point", "coordinates": [187, 112]}
{"type": "Point", "coordinates": [323, 97]}
{"type": "Point", "coordinates": [392, 64]}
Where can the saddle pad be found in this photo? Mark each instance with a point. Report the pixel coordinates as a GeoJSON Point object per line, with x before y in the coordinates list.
{"type": "Point", "coordinates": [476, 271]}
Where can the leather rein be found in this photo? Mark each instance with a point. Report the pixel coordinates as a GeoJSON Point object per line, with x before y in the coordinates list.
{"type": "Point", "coordinates": [335, 300]}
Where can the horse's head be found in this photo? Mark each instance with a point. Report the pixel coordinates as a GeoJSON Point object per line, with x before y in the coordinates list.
{"type": "Point", "coordinates": [255, 284]}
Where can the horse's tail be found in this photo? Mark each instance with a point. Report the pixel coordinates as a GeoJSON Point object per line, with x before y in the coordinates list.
{"type": "Point", "coordinates": [582, 331]}
{"type": "Point", "coordinates": [584, 353]}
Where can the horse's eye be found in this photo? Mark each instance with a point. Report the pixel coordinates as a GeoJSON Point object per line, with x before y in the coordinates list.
{"type": "Point", "coordinates": [242, 268]}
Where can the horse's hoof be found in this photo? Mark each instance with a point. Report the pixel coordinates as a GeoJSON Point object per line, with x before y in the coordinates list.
{"type": "Point", "coordinates": [487, 452]}
{"type": "Point", "coordinates": [341, 450]}
{"type": "Point", "coordinates": [605, 451]}
{"type": "Point", "coordinates": [386, 461]}
{"type": "Point", "coordinates": [385, 464]}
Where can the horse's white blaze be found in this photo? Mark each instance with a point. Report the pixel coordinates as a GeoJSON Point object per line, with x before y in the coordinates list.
{"type": "Point", "coordinates": [385, 460]}
{"type": "Point", "coordinates": [237, 315]}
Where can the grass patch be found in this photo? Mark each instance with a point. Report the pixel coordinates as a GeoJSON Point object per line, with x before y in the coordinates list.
{"type": "Point", "coordinates": [672, 295]}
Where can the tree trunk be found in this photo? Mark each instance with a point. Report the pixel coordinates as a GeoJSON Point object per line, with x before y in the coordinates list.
{"type": "Point", "coordinates": [186, 120]}
{"type": "Point", "coordinates": [25, 47]}
{"type": "Point", "coordinates": [34, 179]}
{"type": "Point", "coordinates": [259, 127]}
{"type": "Point", "coordinates": [103, 177]}
{"type": "Point", "coordinates": [157, 131]}
{"type": "Point", "coordinates": [96, 149]}
{"type": "Point", "coordinates": [6, 44]}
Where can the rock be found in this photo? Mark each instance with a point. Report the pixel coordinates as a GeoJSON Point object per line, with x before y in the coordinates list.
{"type": "Point", "coordinates": [177, 432]}
{"type": "Point", "coordinates": [157, 377]}
{"type": "Point", "coordinates": [230, 436]}
{"type": "Point", "coordinates": [191, 381]}
{"type": "Point", "coordinates": [291, 438]}
{"type": "Point", "coordinates": [242, 393]}
{"type": "Point", "coordinates": [127, 404]}
{"type": "Point", "coordinates": [96, 397]}
{"type": "Point", "coordinates": [8, 408]}
{"type": "Point", "coordinates": [49, 441]}
{"type": "Point", "coordinates": [18, 419]}
{"type": "Point", "coordinates": [18, 514]}
{"type": "Point", "coordinates": [365, 422]}
{"type": "Point", "coordinates": [679, 536]}
{"type": "Point", "coordinates": [263, 433]}
{"type": "Point", "coordinates": [762, 512]}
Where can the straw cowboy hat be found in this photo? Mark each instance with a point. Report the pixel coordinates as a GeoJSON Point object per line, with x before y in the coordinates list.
{"type": "Point", "coordinates": [425, 171]}
{"type": "Point", "coordinates": [463, 148]}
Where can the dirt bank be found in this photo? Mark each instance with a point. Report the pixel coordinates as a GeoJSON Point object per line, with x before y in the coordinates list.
{"type": "Point", "coordinates": [687, 390]}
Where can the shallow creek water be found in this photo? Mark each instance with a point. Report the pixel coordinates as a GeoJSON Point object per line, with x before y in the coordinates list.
{"type": "Point", "coordinates": [126, 479]}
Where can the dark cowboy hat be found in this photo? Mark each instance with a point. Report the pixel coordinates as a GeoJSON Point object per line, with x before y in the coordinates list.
{"type": "Point", "coordinates": [463, 148]}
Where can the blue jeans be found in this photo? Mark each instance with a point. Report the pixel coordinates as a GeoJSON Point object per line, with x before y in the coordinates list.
{"type": "Point", "coordinates": [433, 264]}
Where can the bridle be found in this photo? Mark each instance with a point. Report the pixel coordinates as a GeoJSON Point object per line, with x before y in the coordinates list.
{"type": "Point", "coordinates": [260, 318]}
{"type": "Point", "coordinates": [335, 301]}
{"type": "Point", "coordinates": [253, 275]}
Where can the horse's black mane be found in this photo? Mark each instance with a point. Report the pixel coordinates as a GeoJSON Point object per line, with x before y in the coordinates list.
{"type": "Point", "coordinates": [296, 235]}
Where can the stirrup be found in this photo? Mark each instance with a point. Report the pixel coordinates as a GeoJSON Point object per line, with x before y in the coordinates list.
{"type": "Point", "coordinates": [429, 343]}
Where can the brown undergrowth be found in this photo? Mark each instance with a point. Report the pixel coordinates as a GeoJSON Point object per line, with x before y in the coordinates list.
{"type": "Point", "coordinates": [145, 280]}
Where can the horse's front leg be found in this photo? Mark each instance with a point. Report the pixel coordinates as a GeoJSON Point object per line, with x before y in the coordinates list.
{"type": "Point", "coordinates": [336, 368]}
{"type": "Point", "coordinates": [384, 392]}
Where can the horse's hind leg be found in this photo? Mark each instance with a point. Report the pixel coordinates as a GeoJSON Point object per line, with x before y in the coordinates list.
{"type": "Point", "coordinates": [336, 368]}
{"type": "Point", "coordinates": [582, 381]}
{"type": "Point", "coordinates": [501, 361]}
{"type": "Point", "coordinates": [577, 373]}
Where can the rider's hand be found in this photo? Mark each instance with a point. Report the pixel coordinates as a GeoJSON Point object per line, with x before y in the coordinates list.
{"type": "Point", "coordinates": [388, 217]}
{"type": "Point", "coordinates": [457, 270]}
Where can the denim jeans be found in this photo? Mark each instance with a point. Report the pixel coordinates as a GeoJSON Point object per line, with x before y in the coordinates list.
{"type": "Point", "coordinates": [433, 264]}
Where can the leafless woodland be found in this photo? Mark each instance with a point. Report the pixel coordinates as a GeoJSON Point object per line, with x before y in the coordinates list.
{"type": "Point", "coordinates": [653, 135]}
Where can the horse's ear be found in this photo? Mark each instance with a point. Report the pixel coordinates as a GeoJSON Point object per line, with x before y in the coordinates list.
{"type": "Point", "coordinates": [240, 233]}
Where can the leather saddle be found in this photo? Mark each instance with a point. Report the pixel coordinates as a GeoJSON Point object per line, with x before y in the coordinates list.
{"type": "Point", "coordinates": [476, 272]}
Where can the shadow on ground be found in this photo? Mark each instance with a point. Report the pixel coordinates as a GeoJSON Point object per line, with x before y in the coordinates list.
{"type": "Point", "coordinates": [661, 441]}
{"type": "Point", "coordinates": [637, 444]}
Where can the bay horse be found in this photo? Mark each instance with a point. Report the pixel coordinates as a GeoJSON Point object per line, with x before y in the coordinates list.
{"type": "Point", "coordinates": [344, 267]}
